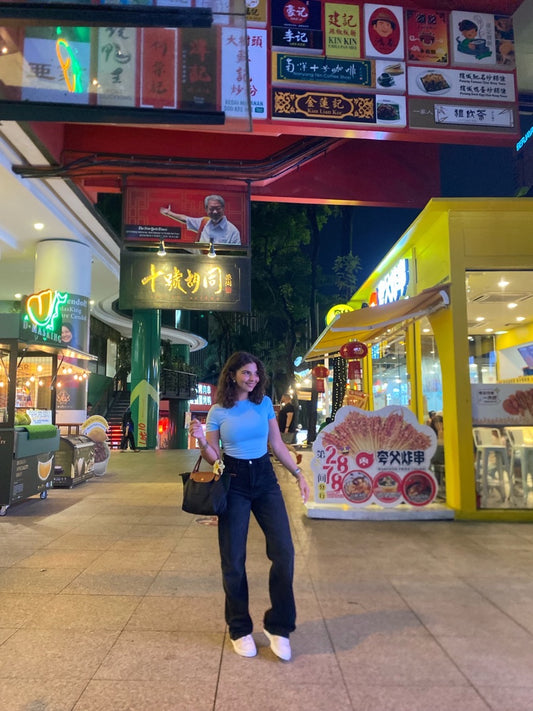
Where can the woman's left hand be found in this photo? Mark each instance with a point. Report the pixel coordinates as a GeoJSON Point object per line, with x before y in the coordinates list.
{"type": "Point", "coordinates": [305, 491]}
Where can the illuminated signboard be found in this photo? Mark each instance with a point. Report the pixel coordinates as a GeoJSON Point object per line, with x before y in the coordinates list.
{"type": "Point", "coordinates": [43, 309]}
{"type": "Point", "coordinates": [393, 285]}
{"type": "Point", "coordinates": [184, 281]}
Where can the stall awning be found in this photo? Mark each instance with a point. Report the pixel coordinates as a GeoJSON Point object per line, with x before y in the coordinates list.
{"type": "Point", "coordinates": [368, 323]}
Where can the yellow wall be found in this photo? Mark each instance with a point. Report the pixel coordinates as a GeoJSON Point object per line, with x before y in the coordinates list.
{"type": "Point", "coordinates": [448, 238]}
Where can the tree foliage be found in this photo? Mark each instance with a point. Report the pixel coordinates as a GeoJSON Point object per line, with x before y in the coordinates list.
{"type": "Point", "coordinates": [285, 280]}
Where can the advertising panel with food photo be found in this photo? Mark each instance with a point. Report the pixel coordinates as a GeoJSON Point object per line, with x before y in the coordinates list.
{"type": "Point", "coordinates": [186, 215]}
{"type": "Point", "coordinates": [381, 457]}
{"type": "Point", "coordinates": [502, 404]}
{"type": "Point", "coordinates": [483, 85]}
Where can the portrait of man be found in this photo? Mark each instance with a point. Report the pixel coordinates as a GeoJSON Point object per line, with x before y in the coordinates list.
{"type": "Point", "coordinates": [214, 227]}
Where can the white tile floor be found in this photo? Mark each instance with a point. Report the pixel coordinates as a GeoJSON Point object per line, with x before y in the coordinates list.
{"type": "Point", "coordinates": [110, 600]}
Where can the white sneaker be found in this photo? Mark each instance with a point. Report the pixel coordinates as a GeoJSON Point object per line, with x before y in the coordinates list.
{"type": "Point", "coordinates": [245, 646]}
{"type": "Point", "coordinates": [280, 646]}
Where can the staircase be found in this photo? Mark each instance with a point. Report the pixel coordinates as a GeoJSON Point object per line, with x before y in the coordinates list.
{"type": "Point", "coordinates": [114, 417]}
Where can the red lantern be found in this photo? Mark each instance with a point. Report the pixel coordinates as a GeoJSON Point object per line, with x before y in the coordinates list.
{"type": "Point", "coordinates": [320, 372]}
{"type": "Point", "coordinates": [352, 352]}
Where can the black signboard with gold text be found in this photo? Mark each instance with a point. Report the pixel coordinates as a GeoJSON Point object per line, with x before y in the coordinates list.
{"type": "Point", "coordinates": [184, 281]}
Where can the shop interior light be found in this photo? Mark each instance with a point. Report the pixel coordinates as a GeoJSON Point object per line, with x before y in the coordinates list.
{"type": "Point", "coordinates": [520, 318]}
{"type": "Point", "coordinates": [512, 305]}
{"type": "Point", "coordinates": [211, 252]}
{"type": "Point", "coordinates": [503, 283]}
{"type": "Point", "coordinates": [38, 226]}
{"type": "Point", "coordinates": [480, 318]}
{"type": "Point", "coordinates": [161, 252]}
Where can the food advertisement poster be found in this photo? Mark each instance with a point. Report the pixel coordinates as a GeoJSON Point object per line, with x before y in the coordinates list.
{"type": "Point", "coordinates": [379, 457]}
{"type": "Point", "coordinates": [472, 38]}
{"type": "Point", "coordinates": [504, 404]}
{"type": "Point", "coordinates": [384, 31]}
{"type": "Point", "coordinates": [391, 76]}
{"type": "Point", "coordinates": [342, 30]}
{"type": "Point", "coordinates": [467, 84]}
{"type": "Point", "coordinates": [427, 36]}
{"type": "Point", "coordinates": [391, 110]}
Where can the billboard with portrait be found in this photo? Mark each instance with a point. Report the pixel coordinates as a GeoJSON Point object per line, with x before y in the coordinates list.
{"type": "Point", "coordinates": [184, 215]}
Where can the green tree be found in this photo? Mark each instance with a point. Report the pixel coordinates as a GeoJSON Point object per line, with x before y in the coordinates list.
{"type": "Point", "coordinates": [286, 279]}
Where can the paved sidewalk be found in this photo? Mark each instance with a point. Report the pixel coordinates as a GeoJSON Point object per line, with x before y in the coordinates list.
{"type": "Point", "coordinates": [111, 600]}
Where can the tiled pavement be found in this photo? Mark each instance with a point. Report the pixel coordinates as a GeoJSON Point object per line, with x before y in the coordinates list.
{"type": "Point", "coordinates": [110, 599]}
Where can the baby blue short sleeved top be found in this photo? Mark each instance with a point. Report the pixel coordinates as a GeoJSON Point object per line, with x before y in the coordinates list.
{"type": "Point", "coordinates": [243, 428]}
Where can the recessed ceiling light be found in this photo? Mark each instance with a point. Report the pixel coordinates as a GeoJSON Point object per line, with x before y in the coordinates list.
{"type": "Point", "coordinates": [520, 318]}
{"type": "Point", "coordinates": [38, 226]}
{"type": "Point", "coordinates": [426, 330]}
{"type": "Point", "coordinates": [480, 318]}
{"type": "Point", "coordinates": [503, 283]}
{"type": "Point", "coordinates": [512, 305]}
{"type": "Point", "coordinates": [489, 330]}
{"type": "Point", "coordinates": [17, 296]}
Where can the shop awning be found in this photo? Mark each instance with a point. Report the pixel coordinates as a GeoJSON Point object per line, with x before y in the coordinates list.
{"type": "Point", "coordinates": [369, 323]}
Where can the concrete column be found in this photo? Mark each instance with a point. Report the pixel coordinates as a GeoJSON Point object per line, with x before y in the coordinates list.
{"type": "Point", "coordinates": [65, 265]}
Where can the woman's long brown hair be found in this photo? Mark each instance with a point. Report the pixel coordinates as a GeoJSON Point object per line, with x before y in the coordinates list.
{"type": "Point", "coordinates": [227, 390]}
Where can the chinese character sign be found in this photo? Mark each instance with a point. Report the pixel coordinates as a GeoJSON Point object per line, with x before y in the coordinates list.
{"type": "Point", "coordinates": [117, 62]}
{"type": "Point", "coordinates": [244, 86]}
{"type": "Point", "coordinates": [184, 281]}
{"type": "Point", "coordinates": [342, 30]}
{"type": "Point", "coordinates": [380, 457]}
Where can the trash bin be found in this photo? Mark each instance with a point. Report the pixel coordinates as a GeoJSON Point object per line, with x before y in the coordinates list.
{"type": "Point", "coordinates": [75, 458]}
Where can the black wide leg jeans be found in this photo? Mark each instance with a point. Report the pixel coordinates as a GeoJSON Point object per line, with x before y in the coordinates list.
{"type": "Point", "coordinates": [255, 489]}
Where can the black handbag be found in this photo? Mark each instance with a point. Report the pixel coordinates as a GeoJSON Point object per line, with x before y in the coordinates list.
{"type": "Point", "coordinates": [205, 492]}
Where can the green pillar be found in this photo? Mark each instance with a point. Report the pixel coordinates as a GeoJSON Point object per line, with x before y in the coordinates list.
{"type": "Point", "coordinates": [180, 437]}
{"type": "Point", "coordinates": [145, 363]}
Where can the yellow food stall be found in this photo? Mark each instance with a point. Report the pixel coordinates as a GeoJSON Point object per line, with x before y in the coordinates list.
{"type": "Point", "coordinates": [447, 317]}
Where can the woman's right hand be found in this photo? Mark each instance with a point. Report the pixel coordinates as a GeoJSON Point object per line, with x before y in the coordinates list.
{"type": "Point", "coordinates": [196, 429]}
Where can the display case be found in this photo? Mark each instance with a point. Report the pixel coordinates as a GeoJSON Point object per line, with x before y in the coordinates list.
{"type": "Point", "coordinates": [74, 461]}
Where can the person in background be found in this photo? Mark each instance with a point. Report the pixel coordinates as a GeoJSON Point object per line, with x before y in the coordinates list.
{"type": "Point", "coordinates": [287, 424]}
{"type": "Point", "coordinates": [242, 424]}
{"type": "Point", "coordinates": [215, 227]}
{"type": "Point", "coordinates": [127, 432]}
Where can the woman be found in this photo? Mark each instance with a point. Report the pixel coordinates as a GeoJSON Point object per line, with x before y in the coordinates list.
{"type": "Point", "coordinates": [244, 423]}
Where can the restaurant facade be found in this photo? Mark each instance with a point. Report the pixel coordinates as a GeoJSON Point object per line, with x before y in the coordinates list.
{"type": "Point", "coordinates": [447, 317]}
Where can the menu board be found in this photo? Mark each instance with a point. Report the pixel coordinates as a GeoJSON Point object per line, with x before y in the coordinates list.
{"type": "Point", "coordinates": [379, 457]}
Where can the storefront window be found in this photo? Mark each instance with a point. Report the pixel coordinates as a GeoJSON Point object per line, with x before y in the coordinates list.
{"type": "Point", "coordinates": [390, 384]}
{"type": "Point", "coordinates": [431, 371]}
{"type": "Point", "coordinates": [500, 334]}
